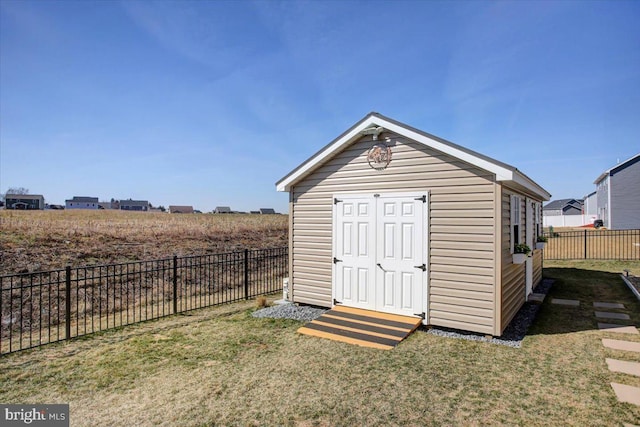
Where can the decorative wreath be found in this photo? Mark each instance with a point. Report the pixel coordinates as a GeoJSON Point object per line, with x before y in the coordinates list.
{"type": "Point", "coordinates": [379, 157]}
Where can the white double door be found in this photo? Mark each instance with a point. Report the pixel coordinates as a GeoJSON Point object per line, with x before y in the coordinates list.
{"type": "Point", "coordinates": [380, 252]}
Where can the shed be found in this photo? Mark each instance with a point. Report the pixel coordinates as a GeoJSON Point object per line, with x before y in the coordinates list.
{"type": "Point", "coordinates": [222, 209]}
{"type": "Point", "coordinates": [389, 218]}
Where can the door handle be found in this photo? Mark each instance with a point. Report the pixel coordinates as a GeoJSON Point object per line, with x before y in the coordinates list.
{"type": "Point", "coordinates": [381, 268]}
{"type": "Point", "coordinates": [422, 267]}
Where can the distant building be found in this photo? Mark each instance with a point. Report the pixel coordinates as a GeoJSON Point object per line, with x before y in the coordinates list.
{"type": "Point", "coordinates": [563, 207]}
{"type": "Point", "coordinates": [180, 209]}
{"type": "Point", "coordinates": [254, 212]}
{"type": "Point", "coordinates": [24, 201]}
{"type": "Point", "coordinates": [618, 195]}
{"type": "Point", "coordinates": [81, 202]}
{"type": "Point", "coordinates": [222, 209]}
{"type": "Point", "coordinates": [564, 213]}
{"type": "Point", "coordinates": [134, 205]}
{"type": "Point", "coordinates": [590, 205]}
{"type": "Point", "coordinates": [267, 211]}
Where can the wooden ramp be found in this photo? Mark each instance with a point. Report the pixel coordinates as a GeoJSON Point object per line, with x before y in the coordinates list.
{"type": "Point", "coordinates": [365, 328]}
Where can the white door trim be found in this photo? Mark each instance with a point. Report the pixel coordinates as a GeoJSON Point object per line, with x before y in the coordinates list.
{"type": "Point", "coordinates": [529, 233]}
{"type": "Point", "coordinates": [421, 307]}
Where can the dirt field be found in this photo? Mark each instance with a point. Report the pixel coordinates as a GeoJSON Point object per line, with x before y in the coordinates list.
{"type": "Point", "coordinates": [33, 241]}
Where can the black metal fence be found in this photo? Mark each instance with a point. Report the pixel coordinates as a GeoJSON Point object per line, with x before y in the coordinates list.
{"type": "Point", "coordinates": [49, 306]}
{"type": "Point", "coordinates": [593, 244]}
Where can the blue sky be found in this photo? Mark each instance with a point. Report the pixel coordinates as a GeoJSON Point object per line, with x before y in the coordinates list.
{"type": "Point", "coordinates": [209, 103]}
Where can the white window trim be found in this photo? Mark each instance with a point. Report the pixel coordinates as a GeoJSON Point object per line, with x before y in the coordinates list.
{"type": "Point", "coordinates": [516, 215]}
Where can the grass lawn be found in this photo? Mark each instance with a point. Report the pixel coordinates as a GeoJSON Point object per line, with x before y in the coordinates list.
{"type": "Point", "coordinates": [223, 367]}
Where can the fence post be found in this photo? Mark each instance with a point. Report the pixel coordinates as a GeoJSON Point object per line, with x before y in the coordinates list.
{"type": "Point", "coordinates": [585, 243]}
{"type": "Point", "coordinates": [175, 284]}
{"type": "Point", "coordinates": [67, 304]}
{"type": "Point", "coordinates": [246, 274]}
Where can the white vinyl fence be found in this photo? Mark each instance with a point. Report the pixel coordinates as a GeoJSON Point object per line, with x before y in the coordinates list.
{"type": "Point", "coordinates": [567, 220]}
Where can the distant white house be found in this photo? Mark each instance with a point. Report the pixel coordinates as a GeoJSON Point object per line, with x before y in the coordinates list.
{"type": "Point", "coordinates": [82, 202]}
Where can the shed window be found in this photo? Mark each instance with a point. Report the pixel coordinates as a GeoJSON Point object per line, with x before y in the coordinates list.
{"type": "Point", "coordinates": [515, 221]}
{"type": "Point", "coordinates": [538, 217]}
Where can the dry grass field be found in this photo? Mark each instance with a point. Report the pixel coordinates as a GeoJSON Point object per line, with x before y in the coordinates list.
{"type": "Point", "coordinates": [40, 240]}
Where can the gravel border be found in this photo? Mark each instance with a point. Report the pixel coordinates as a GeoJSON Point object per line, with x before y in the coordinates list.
{"type": "Point", "coordinates": [303, 313]}
{"type": "Point", "coordinates": [513, 334]}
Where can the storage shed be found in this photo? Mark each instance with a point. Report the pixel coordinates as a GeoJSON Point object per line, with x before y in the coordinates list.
{"type": "Point", "coordinates": [390, 218]}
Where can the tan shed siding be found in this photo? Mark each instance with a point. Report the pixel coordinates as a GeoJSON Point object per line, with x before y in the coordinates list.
{"type": "Point", "coordinates": [537, 267]}
{"type": "Point", "coordinates": [513, 275]}
{"type": "Point", "coordinates": [461, 227]}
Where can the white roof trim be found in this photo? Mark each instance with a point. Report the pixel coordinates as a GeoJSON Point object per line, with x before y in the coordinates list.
{"type": "Point", "coordinates": [502, 172]}
{"type": "Point", "coordinates": [608, 171]}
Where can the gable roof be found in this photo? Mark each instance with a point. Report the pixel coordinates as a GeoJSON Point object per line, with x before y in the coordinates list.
{"type": "Point", "coordinates": [563, 204]}
{"type": "Point", "coordinates": [502, 171]}
{"type": "Point", "coordinates": [617, 168]}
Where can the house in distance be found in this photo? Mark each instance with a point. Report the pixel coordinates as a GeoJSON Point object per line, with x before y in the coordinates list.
{"type": "Point", "coordinates": [180, 209]}
{"type": "Point", "coordinates": [134, 205]}
{"type": "Point", "coordinates": [82, 202]}
{"type": "Point", "coordinates": [24, 201]}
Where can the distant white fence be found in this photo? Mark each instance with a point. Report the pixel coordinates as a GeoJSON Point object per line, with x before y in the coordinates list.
{"type": "Point", "coordinates": [567, 220]}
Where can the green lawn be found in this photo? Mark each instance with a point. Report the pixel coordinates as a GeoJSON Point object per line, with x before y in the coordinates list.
{"type": "Point", "coordinates": [221, 366]}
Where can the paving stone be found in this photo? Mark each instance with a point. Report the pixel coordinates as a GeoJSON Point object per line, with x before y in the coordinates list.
{"type": "Point", "coordinates": [571, 302]}
{"type": "Point", "coordinates": [610, 315]}
{"type": "Point", "coordinates": [621, 345]}
{"type": "Point", "coordinates": [623, 366]}
{"type": "Point", "coordinates": [608, 305]}
{"type": "Point", "coordinates": [621, 329]}
{"type": "Point", "coordinates": [627, 393]}
{"type": "Point", "coordinates": [537, 298]}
